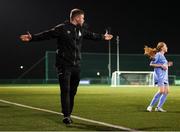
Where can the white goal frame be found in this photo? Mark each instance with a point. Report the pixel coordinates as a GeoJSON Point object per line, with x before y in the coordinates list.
{"type": "Point", "coordinates": [116, 81]}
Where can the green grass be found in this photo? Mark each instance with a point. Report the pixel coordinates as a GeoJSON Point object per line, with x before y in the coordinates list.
{"type": "Point", "coordinates": [119, 106]}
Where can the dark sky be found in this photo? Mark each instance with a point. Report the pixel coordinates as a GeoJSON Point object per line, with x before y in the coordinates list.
{"type": "Point", "coordinates": [137, 23]}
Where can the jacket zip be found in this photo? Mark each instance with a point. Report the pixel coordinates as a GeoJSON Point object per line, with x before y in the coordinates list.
{"type": "Point", "coordinates": [75, 46]}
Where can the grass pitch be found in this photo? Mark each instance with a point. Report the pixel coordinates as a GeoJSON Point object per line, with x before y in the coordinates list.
{"type": "Point", "coordinates": [119, 106]}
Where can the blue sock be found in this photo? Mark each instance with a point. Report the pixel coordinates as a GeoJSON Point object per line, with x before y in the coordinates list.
{"type": "Point", "coordinates": [155, 98]}
{"type": "Point", "coordinates": [162, 100]}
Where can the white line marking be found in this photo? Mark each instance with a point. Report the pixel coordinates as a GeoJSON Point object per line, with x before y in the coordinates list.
{"type": "Point", "coordinates": [75, 117]}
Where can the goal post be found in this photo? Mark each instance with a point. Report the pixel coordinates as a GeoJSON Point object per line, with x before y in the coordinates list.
{"type": "Point", "coordinates": [132, 78]}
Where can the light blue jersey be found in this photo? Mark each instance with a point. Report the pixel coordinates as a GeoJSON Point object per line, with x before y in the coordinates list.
{"type": "Point", "coordinates": [160, 75]}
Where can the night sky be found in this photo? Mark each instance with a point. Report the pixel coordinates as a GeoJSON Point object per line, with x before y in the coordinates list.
{"type": "Point", "coordinates": [137, 23]}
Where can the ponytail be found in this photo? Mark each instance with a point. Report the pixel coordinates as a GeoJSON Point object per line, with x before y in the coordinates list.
{"type": "Point", "coordinates": [150, 52]}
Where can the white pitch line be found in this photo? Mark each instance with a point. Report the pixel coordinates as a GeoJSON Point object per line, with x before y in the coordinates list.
{"type": "Point", "coordinates": [75, 117]}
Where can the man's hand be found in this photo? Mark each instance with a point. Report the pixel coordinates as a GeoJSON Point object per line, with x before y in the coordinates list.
{"type": "Point", "coordinates": [108, 36]}
{"type": "Point", "coordinates": [26, 37]}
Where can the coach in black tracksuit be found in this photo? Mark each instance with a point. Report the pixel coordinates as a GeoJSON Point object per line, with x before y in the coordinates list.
{"type": "Point", "coordinates": [69, 37]}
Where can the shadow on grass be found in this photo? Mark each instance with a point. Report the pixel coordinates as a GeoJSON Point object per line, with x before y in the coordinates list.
{"type": "Point", "coordinates": [173, 111]}
{"type": "Point", "coordinates": [153, 128]}
{"type": "Point", "coordinates": [83, 126]}
{"type": "Point", "coordinates": [4, 106]}
{"type": "Point", "coordinates": [92, 127]}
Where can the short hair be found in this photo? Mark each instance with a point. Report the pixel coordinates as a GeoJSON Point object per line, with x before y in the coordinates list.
{"type": "Point", "coordinates": [75, 12]}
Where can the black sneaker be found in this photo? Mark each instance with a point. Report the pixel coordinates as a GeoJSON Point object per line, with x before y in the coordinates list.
{"type": "Point", "coordinates": [67, 120]}
{"type": "Point", "coordinates": [71, 120]}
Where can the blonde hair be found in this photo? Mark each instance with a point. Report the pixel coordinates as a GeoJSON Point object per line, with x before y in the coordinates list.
{"type": "Point", "coordinates": [150, 52]}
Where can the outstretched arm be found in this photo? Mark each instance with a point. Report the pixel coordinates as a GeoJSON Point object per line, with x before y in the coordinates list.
{"type": "Point", "coordinates": [49, 34]}
{"type": "Point", "coordinates": [37, 37]}
{"type": "Point", "coordinates": [95, 36]}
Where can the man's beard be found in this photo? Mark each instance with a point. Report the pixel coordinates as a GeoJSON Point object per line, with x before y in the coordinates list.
{"type": "Point", "coordinates": [83, 25]}
{"type": "Point", "coordinates": [80, 24]}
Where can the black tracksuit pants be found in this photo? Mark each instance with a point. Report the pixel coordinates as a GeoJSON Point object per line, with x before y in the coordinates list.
{"type": "Point", "coordinates": [69, 78]}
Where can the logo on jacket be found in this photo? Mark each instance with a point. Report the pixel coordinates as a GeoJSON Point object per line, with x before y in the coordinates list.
{"type": "Point", "coordinates": [79, 34]}
{"type": "Point", "coordinates": [68, 32]}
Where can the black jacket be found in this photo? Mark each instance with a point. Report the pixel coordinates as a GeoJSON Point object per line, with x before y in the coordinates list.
{"type": "Point", "coordinates": [69, 42]}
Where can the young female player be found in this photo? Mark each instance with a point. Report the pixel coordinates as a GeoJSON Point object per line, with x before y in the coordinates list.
{"type": "Point", "coordinates": [160, 64]}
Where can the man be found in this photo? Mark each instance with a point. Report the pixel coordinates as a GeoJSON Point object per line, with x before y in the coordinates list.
{"type": "Point", "coordinates": [69, 37]}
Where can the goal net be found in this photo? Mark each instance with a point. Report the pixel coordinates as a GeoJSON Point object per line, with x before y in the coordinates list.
{"type": "Point", "coordinates": [132, 78]}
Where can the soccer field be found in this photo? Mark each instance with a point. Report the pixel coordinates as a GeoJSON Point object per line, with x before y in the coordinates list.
{"type": "Point", "coordinates": [124, 107]}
